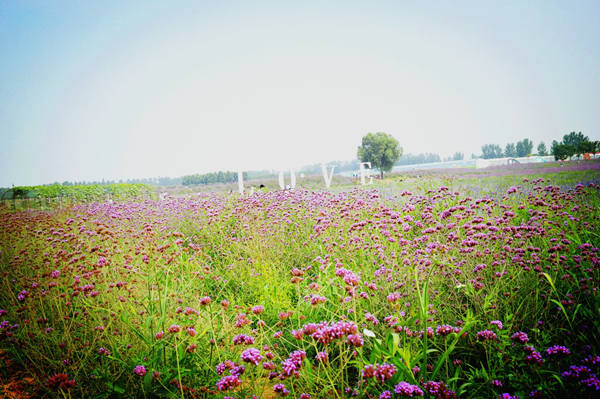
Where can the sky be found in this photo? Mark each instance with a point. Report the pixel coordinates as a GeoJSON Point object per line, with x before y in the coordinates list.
{"type": "Point", "coordinates": [131, 89]}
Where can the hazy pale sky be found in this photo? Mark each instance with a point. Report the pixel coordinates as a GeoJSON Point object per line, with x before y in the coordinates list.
{"type": "Point", "coordinates": [122, 89]}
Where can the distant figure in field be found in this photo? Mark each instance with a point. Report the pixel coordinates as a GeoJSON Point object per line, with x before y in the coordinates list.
{"type": "Point", "coordinates": [261, 187]}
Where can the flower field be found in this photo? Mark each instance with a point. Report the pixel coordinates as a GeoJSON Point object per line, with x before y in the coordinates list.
{"type": "Point", "coordinates": [434, 288]}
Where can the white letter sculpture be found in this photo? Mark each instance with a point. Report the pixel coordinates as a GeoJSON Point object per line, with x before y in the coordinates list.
{"type": "Point", "coordinates": [363, 172]}
{"type": "Point", "coordinates": [292, 179]}
{"type": "Point", "coordinates": [327, 177]}
{"type": "Point", "coordinates": [241, 182]}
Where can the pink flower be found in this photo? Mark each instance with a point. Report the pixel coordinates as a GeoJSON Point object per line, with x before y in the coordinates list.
{"type": "Point", "coordinates": [205, 300]}
{"type": "Point", "coordinates": [322, 357]}
{"type": "Point", "coordinates": [140, 370]}
{"type": "Point", "coordinates": [174, 328]}
{"type": "Point", "coordinates": [258, 309]}
{"type": "Point", "coordinates": [252, 355]}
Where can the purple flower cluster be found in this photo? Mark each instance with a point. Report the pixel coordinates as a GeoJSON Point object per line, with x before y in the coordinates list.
{"type": "Point", "coordinates": [325, 332]}
{"type": "Point", "coordinates": [252, 355]}
{"type": "Point", "coordinates": [533, 357]}
{"type": "Point", "coordinates": [228, 382]}
{"type": "Point", "coordinates": [486, 335]}
{"type": "Point", "coordinates": [497, 323]}
{"type": "Point", "coordinates": [439, 390]}
{"type": "Point", "coordinates": [140, 370]}
{"type": "Point", "coordinates": [445, 330]}
{"type": "Point", "coordinates": [322, 357]}
{"type": "Point", "coordinates": [243, 339]}
{"type": "Point", "coordinates": [507, 396]}
{"type": "Point", "coordinates": [292, 364]}
{"type": "Point", "coordinates": [280, 388]}
{"type": "Point", "coordinates": [577, 373]}
{"type": "Point", "coordinates": [558, 350]}
{"type": "Point", "coordinates": [380, 372]}
{"type": "Point", "coordinates": [520, 336]}
{"type": "Point", "coordinates": [406, 389]}
{"type": "Point", "coordinates": [258, 309]}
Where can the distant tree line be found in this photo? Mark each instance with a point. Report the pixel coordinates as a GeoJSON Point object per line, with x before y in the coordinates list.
{"type": "Point", "coordinates": [522, 148]}
{"type": "Point", "coordinates": [573, 144]}
{"type": "Point", "coordinates": [412, 159]}
{"type": "Point", "coordinates": [210, 178]}
{"type": "Point", "coordinates": [154, 181]}
{"type": "Point", "coordinates": [340, 166]}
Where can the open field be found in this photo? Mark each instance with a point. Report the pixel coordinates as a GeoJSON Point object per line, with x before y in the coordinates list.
{"type": "Point", "coordinates": [465, 283]}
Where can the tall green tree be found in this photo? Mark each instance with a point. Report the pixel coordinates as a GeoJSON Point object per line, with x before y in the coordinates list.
{"type": "Point", "coordinates": [579, 143]}
{"type": "Point", "coordinates": [573, 144]}
{"type": "Point", "coordinates": [524, 147]}
{"type": "Point", "coordinates": [382, 150]}
{"type": "Point", "coordinates": [510, 151]}
{"type": "Point", "coordinates": [490, 151]}
{"type": "Point", "coordinates": [561, 151]}
{"type": "Point", "coordinates": [541, 149]}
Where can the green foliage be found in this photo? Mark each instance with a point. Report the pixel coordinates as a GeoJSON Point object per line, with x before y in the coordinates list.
{"type": "Point", "coordinates": [210, 178]}
{"type": "Point", "coordinates": [90, 192]}
{"type": "Point", "coordinates": [490, 151]}
{"type": "Point", "coordinates": [381, 149]}
{"type": "Point", "coordinates": [524, 147]}
{"type": "Point", "coordinates": [412, 159]}
{"type": "Point", "coordinates": [458, 156]}
{"type": "Point", "coordinates": [541, 149]}
{"type": "Point", "coordinates": [510, 150]}
{"type": "Point", "coordinates": [573, 144]}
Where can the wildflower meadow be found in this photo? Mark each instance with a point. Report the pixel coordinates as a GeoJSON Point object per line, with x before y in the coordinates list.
{"type": "Point", "coordinates": [434, 286]}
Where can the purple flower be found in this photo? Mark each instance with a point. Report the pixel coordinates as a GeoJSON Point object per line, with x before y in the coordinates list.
{"type": "Point", "coordinates": [486, 335]}
{"type": "Point", "coordinates": [252, 355]}
{"type": "Point", "coordinates": [355, 340]}
{"type": "Point", "coordinates": [406, 389]}
{"type": "Point", "coordinates": [228, 382]}
{"type": "Point", "coordinates": [558, 350]}
{"type": "Point", "coordinates": [174, 328]}
{"type": "Point", "coordinates": [385, 395]}
{"type": "Point", "coordinates": [140, 370]}
{"type": "Point", "coordinates": [258, 309]}
{"type": "Point", "coordinates": [22, 295]}
{"type": "Point", "coordinates": [520, 336]}
{"type": "Point", "coordinates": [534, 356]}
{"type": "Point", "coordinates": [381, 372]}
{"type": "Point", "coordinates": [439, 390]}
{"type": "Point", "coordinates": [322, 357]}
{"type": "Point", "coordinates": [592, 382]}
{"type": "Point", "coordinates": [496, 323]}
{"type": "Point", "coordinates": [280, 388]}
{"type": "Point", "coordinates": [243, 339]}
{"type": "Point", "coordinates": [576, 372]}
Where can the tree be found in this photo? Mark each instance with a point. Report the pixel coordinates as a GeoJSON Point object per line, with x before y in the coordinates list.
{"type": "Point", "coordinates": [490, 151]}
{"type": "Point", "coordinates": [524, 147]}
{"type": "Point", "coordinates": [510, 151]}
{"type": "Point", "coordinates": [541, 149]}
{"type": "Point", "coordinates": [381, 150]}
{"type": "Point", "coordinates": [458, 156]}
{"type": "Point", "coordinates": [561, 151]}
{"type": "Point", "coordinates": [573, 144]}
{"type": "Point", "coordinates": [580, 143]}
